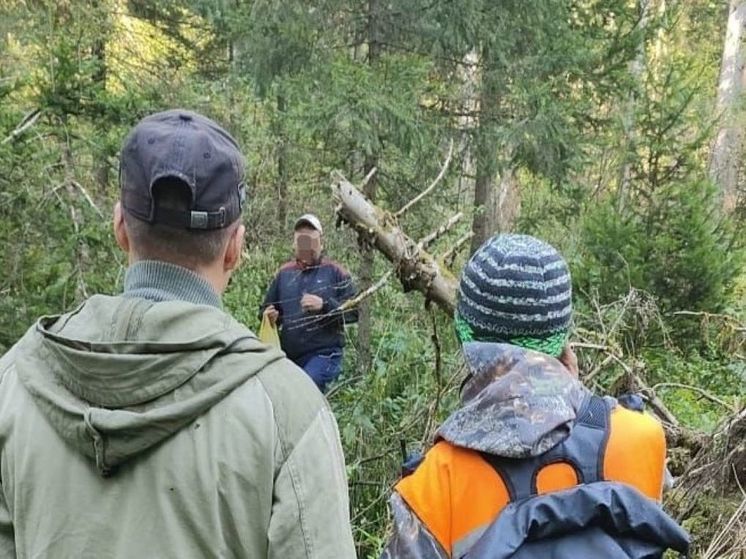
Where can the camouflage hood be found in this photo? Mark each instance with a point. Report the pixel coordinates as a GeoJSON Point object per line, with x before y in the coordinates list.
{"type": "Point", "coordinates": [516, 402]}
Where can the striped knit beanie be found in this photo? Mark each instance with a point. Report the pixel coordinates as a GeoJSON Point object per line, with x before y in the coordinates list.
{"type": "Point", "coordinates": [516, 289]}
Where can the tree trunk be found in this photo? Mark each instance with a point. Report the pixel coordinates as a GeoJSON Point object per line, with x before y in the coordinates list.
{"type": "Point", "coordinates": [367, 253]}
{"type": "Point", "coordinates": [507, 205]}
{"type": "Point", "coordinates": [282, 165]}
{"type": "Point", "coordinates": [483, 224]}
{"type": "Point", "coordinates": [637, 68]}
{"type": "Point", "coordinates": [101, 162]}
{"type": "Point", "coordinates": [467, 120]}
{"type": "Point", "coordinates": [726, 152]}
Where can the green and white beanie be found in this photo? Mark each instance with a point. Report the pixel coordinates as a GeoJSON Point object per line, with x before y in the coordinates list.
{"type": "Point", "coordinates": [516, 289]}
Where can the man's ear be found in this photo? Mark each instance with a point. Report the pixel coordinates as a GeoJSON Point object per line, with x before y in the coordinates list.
{"type": "Point", "coordinates": [120, 230]}
{"type": "Point", "coordinates": [233, 251]}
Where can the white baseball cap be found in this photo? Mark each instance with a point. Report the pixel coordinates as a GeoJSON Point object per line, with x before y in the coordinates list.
{"type": "Point", "coordinates": [309, 219]}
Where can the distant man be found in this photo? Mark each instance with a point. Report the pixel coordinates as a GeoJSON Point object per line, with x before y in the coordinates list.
{"type": "Point", "coordinates": [304, 300]}
{"type": "Point", "coordinates": [151, 423]}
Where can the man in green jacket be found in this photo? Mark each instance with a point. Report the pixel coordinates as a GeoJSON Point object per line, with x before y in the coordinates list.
{"type": "Point", "coordinates": [152, 424]}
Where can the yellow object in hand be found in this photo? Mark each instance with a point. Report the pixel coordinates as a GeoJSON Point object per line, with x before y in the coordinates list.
{"type": "Point", "coordinates": [268, 332]}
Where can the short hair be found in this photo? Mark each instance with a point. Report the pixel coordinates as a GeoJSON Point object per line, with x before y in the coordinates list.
{"type": "Point", "coordinates": [190, 248]}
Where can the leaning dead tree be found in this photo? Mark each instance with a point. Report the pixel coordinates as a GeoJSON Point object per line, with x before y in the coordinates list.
{"type": "Point", "coordinates": [416, 268]}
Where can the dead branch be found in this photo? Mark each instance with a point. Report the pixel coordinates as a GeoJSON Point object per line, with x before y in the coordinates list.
{"type": "Point", "coordinates": [428, 432]}
{"type": "Point", "coordinates": [719, 452]}
{"type": "Point", "coordinates": [369, 176]}
{"type": "Point", "coordinates": [599, 347]}
{"type": "Point", "coordinates": [730, 423]}
{"type": "Point", "coordinates": [28, 121]}
{"type": "Point", "coordinates": [415, 267]}
{"type": "Point", "coordinates": [88, 198]}
{"type": "Point", "coordinates": [440, 231]}
{"type": "Point", "coordinates": [724, 541]}
{"type": "Point", "coordinates": [430, 188]}
{"type": "Point", "coordinates": [451, 253]}
{"type": "Point", "coordinates": [656, 404]}
{"type": "Point", "coordinates": [350, 303]}
{"type": "Point", "coordinates": [676, 434]}
{"type": "Point", "coordinates": [588, 378]}
{"type": "Point", "coordinates": [734, 323]}
{"type": "Point", "coordinates": [701, 391]}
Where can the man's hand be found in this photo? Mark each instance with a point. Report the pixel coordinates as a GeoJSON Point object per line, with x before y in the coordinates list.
{"type": "Point", "coordinates": [312, 303]}
{"type": "Point", "coordinates": [272, 314]}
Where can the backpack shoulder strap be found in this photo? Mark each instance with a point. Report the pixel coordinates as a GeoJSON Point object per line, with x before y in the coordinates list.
{"type": "Point", "coordinates": [583, 449]}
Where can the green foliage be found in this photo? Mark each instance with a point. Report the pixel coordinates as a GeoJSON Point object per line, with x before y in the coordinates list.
{"type": "Point", "coordinates": [668, 246]}
{"type": "Point", "coordinates": [671, 241]}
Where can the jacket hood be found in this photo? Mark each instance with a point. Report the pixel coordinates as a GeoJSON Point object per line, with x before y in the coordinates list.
{"type": "Point", "coordinates": [119, 375]}
{"type": "Point", "coordinates": [516, 402]}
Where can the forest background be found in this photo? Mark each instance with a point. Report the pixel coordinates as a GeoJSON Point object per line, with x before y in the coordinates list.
{"type": "Point", "coordinates": [611, 128]}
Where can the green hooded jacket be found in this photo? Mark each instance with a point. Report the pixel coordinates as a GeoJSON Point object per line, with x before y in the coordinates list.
{"type": "Point", "coordinates": [157, 427]}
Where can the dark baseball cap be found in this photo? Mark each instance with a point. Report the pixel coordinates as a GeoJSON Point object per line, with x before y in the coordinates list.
{"type": "Point", "coordinates": [191, 148]}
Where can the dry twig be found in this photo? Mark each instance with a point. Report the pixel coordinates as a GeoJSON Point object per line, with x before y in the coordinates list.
{"type": "Point", "coordinates": [701, 391]}
{"type": "Point", "coordinates": [440, 231]}
{"type": "Point", "coordinates": [430, 188]}
{"type": "Point", "coordinates": [28, 121]}
{"type": "Point", "coordinates": [350, 303]}
{"type": "Point", "coordinates": [451, 253]}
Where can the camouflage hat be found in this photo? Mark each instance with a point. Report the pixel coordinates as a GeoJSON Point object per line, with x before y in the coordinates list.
{"type": "Point", "coordinates": [516, 402]}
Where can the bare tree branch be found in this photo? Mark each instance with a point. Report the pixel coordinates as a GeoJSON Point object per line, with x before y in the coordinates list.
{"type": "Point", "coordinates": [360, 297]}
{"type": "Point", "coordinates": [430, 188]}
{"type": "Point", "coordinates": [451, 253]}
{"type": "Point", "coordinates": [732, 321]}
{"type": "Point", "coordinates": [88, 198]}
{"type": "Point", "coordinates": [28, 121]}
{"type": "Point", "coordinates": [366, 180]}
{"type": "Point", "coordinates": [698, 390]}
{"type": "Point", "coordinates": [440, 231]}
{"type": "Point", "coordinates": [658, 406]}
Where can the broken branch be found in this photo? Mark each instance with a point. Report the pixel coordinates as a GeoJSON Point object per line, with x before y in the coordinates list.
{"type": "Point", "coordinates": [440, 231]}
{"type": "Point", "coordinates": [733, 323]}
{"type": "Point", "coordinates": [451, 253]}
{"type": "Point", "coordinates": [360, 297]}
{"type": "Point", "coordinates": [369, 176]}
{"type": "Point", "coordinates": [28, 121]}
{"type": "Point", "coordinates": [88, 198]}
{"type": "Point", "coordinates": [658, 406]}
{"type": "Point", "coordinates": [702, 392]}
{"type": "Point", "coordinates": [430, 188]}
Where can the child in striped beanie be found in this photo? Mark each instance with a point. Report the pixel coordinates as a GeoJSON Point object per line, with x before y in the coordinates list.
{"type": "Point", "coordinates": [517, 290]}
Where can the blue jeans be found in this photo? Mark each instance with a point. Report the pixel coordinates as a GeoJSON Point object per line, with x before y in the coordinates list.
{"type": "Point", "coordinates": [323, 367]}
